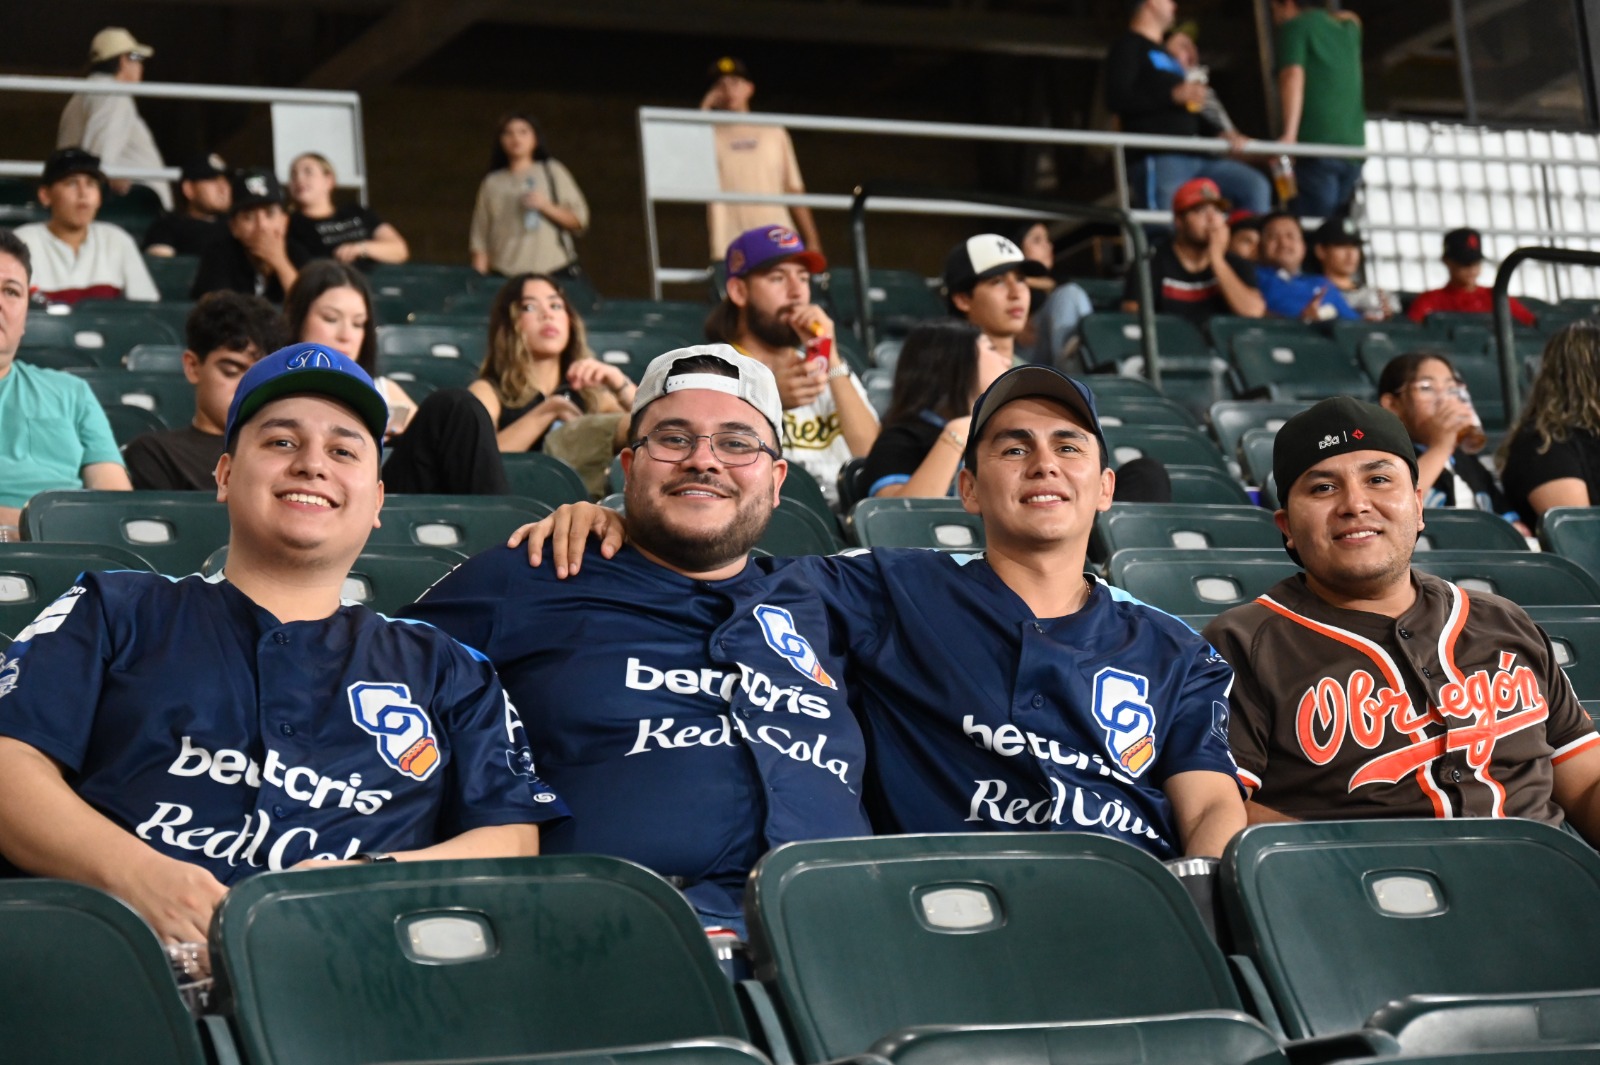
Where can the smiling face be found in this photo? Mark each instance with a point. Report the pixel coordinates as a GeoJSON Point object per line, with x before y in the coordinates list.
{"type": "Point", "coordinates": [1038, 481]}
{"type": "Point", "coordinates": [1353, 519]}
{"type": "Point", "coordinates": [542, 320]}
{"type": "Point", "coordinates": [1283, 245]}
{"type": "Point", "coordinates": [301, 485]}
{"type": "Point", "coordinates": [699, 515]}
{"type": "Point", "coordinates": [997, 305]}
{"type": "Point", "coordinates": [337, 318]}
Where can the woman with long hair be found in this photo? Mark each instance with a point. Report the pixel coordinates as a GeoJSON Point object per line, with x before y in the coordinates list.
{"type": "Point", "coordinates": [1551, 457]}
{"type": "Point", "coordinates": [1055, 310]}
{"type": "Point", "coordinates": [539, 369]}
{"type": "Point", "coordinates": [943, 367]}
{"type": "Point", "coordinates": [351, 233]}
{"type": "Point", "coordinates": [529, 208]}
{"type": "Point", "coordinates": [330, 303]}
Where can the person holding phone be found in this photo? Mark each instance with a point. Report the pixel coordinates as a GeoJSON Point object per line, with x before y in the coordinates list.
{"type": "Point", "coordinates": [1290, 292]}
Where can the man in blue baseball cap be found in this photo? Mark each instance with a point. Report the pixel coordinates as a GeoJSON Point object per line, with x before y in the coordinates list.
{"type": "Point", "coordinates": [161, 739]}
{"type": "Point", "coordinates": [768, 315]}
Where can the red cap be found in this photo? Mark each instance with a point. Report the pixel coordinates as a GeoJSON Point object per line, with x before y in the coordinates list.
{"type": "Point", "coordinates": [1196, 192]}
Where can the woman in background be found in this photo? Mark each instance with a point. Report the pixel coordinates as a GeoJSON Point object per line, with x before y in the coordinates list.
{"type": "Point", "coordinates": [351, 233]}
{"type": "Point", "coordinates": [529, 207]}
{"type": "Point", "coordinates": [1551, 457]}
{"type": "Point", "coordinates": [1054, 310]}
{"type": "Point", "coordinates": [330, 303]}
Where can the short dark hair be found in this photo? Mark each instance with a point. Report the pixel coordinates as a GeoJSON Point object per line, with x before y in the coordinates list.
{"type": "Point", "coordinates": [233, 321]}
{"type": "Point", "coordinates": [689, 364]}
{"type": "Point", "coordinates": [1274, 216]}
{"type": "Point", "coordinates": [12, 245]}
{"type": "Point", "coordinates": [315, 279]}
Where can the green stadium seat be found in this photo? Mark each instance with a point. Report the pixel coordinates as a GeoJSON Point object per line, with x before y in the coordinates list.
{"type": "Point", "coordinates": [803, 488]}
{"type": "Point", "coordinates": [975, 926]}
{"type": "Point", "coordinates": [83, 978]}
{"type": "Point", "coordinates": [467, 524]}
{"type": "Point", "coordinates": [67, 359]}
{"type": "Point", "coordinates": [173, 274]}
{"type": "Point", "coordinates": [154, 358]}
{"type": "Point", "coordinates": [1143, 411]}
{"type": "Point", "coordinates": [935, 523]}
{"type": "Point", "coordinates": [1224, 328]}
{"type": "Point", "coordinates": [384, 577]}
{"type": "Point", "coordinates": [1193, 527]}
{"type": "Point", "coordinates": [1574, 632]}
{"type": "Point", "coordinates": [1232, 418]}
{"type": "Point", "coordinates": [633, 350]}
{"type": "Point", "coordinates": [103, 334]}
{"type": "Point", "coordinates": [900, 299]}
{"type": "Point", "coordinates": [174, 314]}
{"type": "Point", "coordinates": [545, 478]}
{"type": "Point", "coordinates": [1109, 337]}
{"type": "Point", "coordinates": [796, 530]}
{"type": "Point", "coordinates": [1112, 384]}
{"type": "Point", "coordinates": [1206, 484]}
{"type": "Point", "coordinates": [1198, 582]}
{"type": "Point", "coordinates": [1255, 455]}
{"type": "Point", "coordinates": [1573, 533]}
{"type": "Point", "coordinates": [852, 483]}
{"type": "Point", "coordinates": [467, 960]}
{"type": "Point", "coordinates": [1308, 368]}
{"type": "Point", "coordinates": [419, 286]}
{"type": "Point", "coordinates": [665, 316]}
{"type": "Point", "coordinates": [1400, 923]}
{"type": "Point", "coordinates": [1376, 351]}
{"type": "Point", "coordinates": [1170, 445]}
{"type": "Point", "coordinates": [1105, 293]}
{"type": "Point", "coordinates": [128, 422]}
{"type": "Point", "coordinates": [1460, 529]}
{"type": "Point", "coordinates": [880, 389]}
{"type": "Point", "coordinates": [422, 374]}
{"type": "Point", "coordinates": [1481, 375]}
{"type": "Point", "coordinates": [1350, 333]}
{"type": "Point", "coordinates": [134, 210]}
{"type": "Point", "coordinates": [886, 352]}
{"type": "Point", "coordinates": [443, 341]}
{"type": "Point", "coordinates": [172, 531]}
{"type": "Point", "coordinates": [1527, 578]}
{"type": "Point", "coordinates": [32, 575]}
{"type": "Point", "coordinates": [169, 396]}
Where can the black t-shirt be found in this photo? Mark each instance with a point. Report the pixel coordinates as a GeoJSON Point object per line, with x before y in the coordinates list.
{"type": "Point", "coordinates": [225, 266]}
{"type": "Point", "coordinates": [899, 450]}
{"type": "Point", "coordinates": [1190, 295]}
{"type": "Point", "coordinates": [511, 414]}
{"type": "Point", "coordinates": [320, 236]}
{"type": "Point", "coordinates": [1525, 469]}
{"type": "Point", "coordinates": [182, 232]}
{"type": "Point", "coordinates": [174, 460]}
{"type": "Point", "coordinates": [1140, 77]}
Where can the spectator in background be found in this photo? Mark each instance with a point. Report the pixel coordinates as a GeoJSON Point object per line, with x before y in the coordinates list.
{"type": "Point", "coordinates": [768, 315]}
{"type": "Point", "coordinates": [529, 207]}
{"type": "Point", "coordinates": [1179, 43]}
{"type": "Point", "coordinates": [751, 159]}
{"type": "Point", "coordinates": [1244, 235]}
{"type": "Point", "coordinates": [1463, 258]}
{"type": "Point", "coordinates": [74, 257]}
{"type": "Point", "coordinates": [1054, 309]}
{"type": "Point", "coordinates": [1551, 456]}
{"type": "Point", "coordinates": [1320, 89]}
{"type": "Point", "coordinates": [1192, 274]}
{"type": "Point", "coordinates": [350, 234]}
{"type": "Point", "coordinates": [986, 282]}
{"type": "Point", "coordinates": [330, 303]}
{"type": "Point", "coordinates": [207, 195]}
{"type": "Point", "coordinates": [223, 337]}
{"type": "Point", "coordinates": [1150, 92]}
{"type": "Point", "coordinates": [1337, 246]}
{"type": "Point", "coordinates": [944, 366]}
{"type": "Point", "coordinates": [53, 433]}
{"type": "Point", "coordinates": [256, 256]}
{"type": "Point", "coordinates": [108, 124]}
{"type": "Point", "coordinates": [1288, 290]}
{"type": "Point", "coordinates": [1423, 390]}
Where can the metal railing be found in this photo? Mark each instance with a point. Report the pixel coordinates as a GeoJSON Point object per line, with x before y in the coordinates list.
{"type": "Point", "coordinates": [288, 106]}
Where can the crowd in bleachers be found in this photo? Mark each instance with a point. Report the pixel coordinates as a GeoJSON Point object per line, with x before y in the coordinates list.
{"type": "Point", "coordinates": [1321, 555]}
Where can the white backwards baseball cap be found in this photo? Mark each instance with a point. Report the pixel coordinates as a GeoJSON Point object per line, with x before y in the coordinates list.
{"type": "Point", "coordinates": [751, 381]}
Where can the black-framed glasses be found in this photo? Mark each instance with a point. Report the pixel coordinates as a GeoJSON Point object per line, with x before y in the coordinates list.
{"type": "Point", "coordinates": [731, 448]}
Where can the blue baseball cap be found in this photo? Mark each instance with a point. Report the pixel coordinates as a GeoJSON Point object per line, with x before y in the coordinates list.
{"type": "Point", "coordinates": [1021, 382]}
{"type": "Point", "coordinates": [308, 369]}
{"type": "Point", "coordinates": [764, 246]}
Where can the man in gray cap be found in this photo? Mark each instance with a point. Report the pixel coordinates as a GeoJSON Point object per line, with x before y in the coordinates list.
{"type": "Point", "coordinates": [108, 124]}
{"type": "Point", "coordinates": [1365, 688]}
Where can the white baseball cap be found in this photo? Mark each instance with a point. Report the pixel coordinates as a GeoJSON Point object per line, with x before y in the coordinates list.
{"type": "Point", "coordinates": [114, 41]}
{"type": "Point", "coordinates": [751, 381]}
{"type": "Point", "coordinates": [982, 257]}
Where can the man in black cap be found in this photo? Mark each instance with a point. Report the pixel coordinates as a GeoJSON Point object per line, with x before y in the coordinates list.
{"type": "Point", "coordinates": [1365, 688]}
{"type": "Point", "coordinates": [207, 195]}
{"type": "Point", "coordinates": [255, 256]}
{"type": "Point", "coordinates": [1463, 257]}
{"type": "Point", "coordinates": [1337, 246]}
{"type": "Point", "coordinates": [74, 257]}
{"type": "Point", "coordinates": [985, 282]}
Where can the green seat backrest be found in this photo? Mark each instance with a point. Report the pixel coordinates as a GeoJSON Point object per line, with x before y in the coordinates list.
{"type": "Point", "coordinates": [1342, 917]}
{"type": "Point", "coordinates": [169, 395]}
{"type": "Point", "coordinates": [803, 488]}
{"type": "Point", "coordinates": [1349, 333]}
{"type": "Point", "coordinates": [1464, 529]}
{"type": "Point", "coordinates": [383, 578]}
{"type": "Point", "coordinates": [442, 341]}
{"type": "Point", "coordinates": [1111, 336]}
{"type": "Point", "coordinates": [1527, 578]}
{"type": "Point", "coordinates": [1206, 484]}
{"type": "Point", "coordinates": [422, 374]}
{"type": "Point", "coordinates": [1168, 444]}
{"type": "Point", "coordinates": [1375, 351]}
{"type": "Point", "coordinates": [1574, 533]}
{"type": "Point", "coordinates": [1105, 293]}
{"type": "Point", "coordinates": [795, 530]}
{"type": "Point", "coordinates": [107, 336]}
{"type": "Point", "coordinates": [68, 359]}
{"type": "Point", "coordinates": [1302, 368]}
{"type": "Point", "coordinates": [1232, 418]}
{"type": "Point", "coordinates": [862, 938]}
{"type": "Point", "coordinates": [900, 522]}
{"type": "Point", "coordinates": [1113, 384]}
{"type": "Point", "coordinates": [1201, 582]}
{"type": "Point", "coordinates": [129, 422]}
{"type": "Point", "coordinates": [83, 978]}
{"type": "Point", "coordinates": [1226, 328]}
{"type": "Point", "coordinates": [173, 274]}
{"type": "Point", "coordinates": [632, 350]}
{"type": "Point", "coordinates": [535, 475]}
{"type": "Point", "coordinates": [1215, 1037]}
{"type": "Point", "coordinates": [467, 524]}
{"type": "Point", "coordinates": [900, 298]}
{"type": "Point", "coordinates": [1574, 632]}
{"type": "Point", "coordinates": [154, 358]}
{"type": "Point", "coordinates": [1141, 411]}
{"type": "Point", "coordinates": [1181, 525]}
{"type": "Point", "coordinates": [32, 575]}
{"type": "Point", "coordinates": [172, 531]}
{"type": "Point", "coordinates": [1255, 454]}
{"type": "Point", "coordinates": [666, 316]}
{"type": "Point", "coordinates": [464, 959]}
{"type": "Point", "coordinates": [1481, 375]}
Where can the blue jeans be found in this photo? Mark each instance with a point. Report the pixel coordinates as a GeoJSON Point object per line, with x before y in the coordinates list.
{"type": "Point", "coordinates": [1241, 184]}
{"type": "Point", "coordinates": [1326, 186]}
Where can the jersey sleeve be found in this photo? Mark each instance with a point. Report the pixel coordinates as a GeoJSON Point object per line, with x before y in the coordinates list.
{"type": "Point", "coordinates": [51, 676]}
{"type": "Point", "coordinates": [466, 602]}
{"type": "Point", "coordinates": [855, 595]}
{"type": "Point", "coordinates": [1249, 715]}
{"type": "Point", "coordinates": [1569, 729]}
{"type": "Point", "coordinates": [1197, 737]}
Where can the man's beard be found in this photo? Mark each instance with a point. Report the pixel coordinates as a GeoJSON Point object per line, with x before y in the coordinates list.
{"type": "Point", "coordinates": [699, 552]}
{"type": "Point", "coordinates": [771, 329]}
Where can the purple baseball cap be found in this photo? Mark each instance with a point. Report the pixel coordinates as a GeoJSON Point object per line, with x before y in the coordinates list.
{"type": "Point", "coordinates": [764, 246]}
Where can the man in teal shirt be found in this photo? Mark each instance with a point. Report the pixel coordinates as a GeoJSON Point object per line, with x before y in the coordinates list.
{"type": "Point", "coordinates": [1320, 86]}
{"type": "Point", "coordinates": [53, 433]}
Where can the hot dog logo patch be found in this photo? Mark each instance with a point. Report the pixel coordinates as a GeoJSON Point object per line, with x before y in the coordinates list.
{"type": "Point", "coordinates": [401, 727]}
{"type": "Point", "coordinates": [777, 625]}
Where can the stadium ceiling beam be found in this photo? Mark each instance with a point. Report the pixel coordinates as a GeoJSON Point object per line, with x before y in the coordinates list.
{"type": "Point", "coordinates": [1440, 37]}
{"type": "Point", "coordinates": [405, 35]}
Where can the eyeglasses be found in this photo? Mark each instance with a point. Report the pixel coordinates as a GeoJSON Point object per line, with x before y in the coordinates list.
{"type": "Point", "coordinates": [1425, 387]}
{"type": "Point", "coordinates": [136, 57]}
{"type": "Point", "coordinates": [731, 448]}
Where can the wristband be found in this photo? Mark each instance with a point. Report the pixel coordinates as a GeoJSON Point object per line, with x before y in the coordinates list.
{"type": "Point", "coordinates": [949, 437]}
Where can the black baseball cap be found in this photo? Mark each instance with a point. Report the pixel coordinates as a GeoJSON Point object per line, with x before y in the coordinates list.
{"type": "Point", "coordinates": [727, 66]}
{"type": "Point", "coordinates": [1463, 247]}
{"type": "Point", "coordinates": [64, 162]}
{"type": "Point", "coordinates": [1335, 231]}
{"type": "Point", "coordinates": [1021, 382]}
{"type": "Point", "coordinates": [204, 167]}
{"type": "Point", "coordinates": [255, 186]}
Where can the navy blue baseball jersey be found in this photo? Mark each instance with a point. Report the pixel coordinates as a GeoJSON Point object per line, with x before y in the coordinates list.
{"type": "Point", "coordinates": [690, 724]}
{"type": "Point", "coordinates": [980, 716]}
{"type": "Point", "coordinates": [192, 717]}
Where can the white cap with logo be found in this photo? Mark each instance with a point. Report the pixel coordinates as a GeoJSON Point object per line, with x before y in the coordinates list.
{"type": "Point", "coordinates": [751, 381]}
{"type": "Point", "coordinates": [114, 41]}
